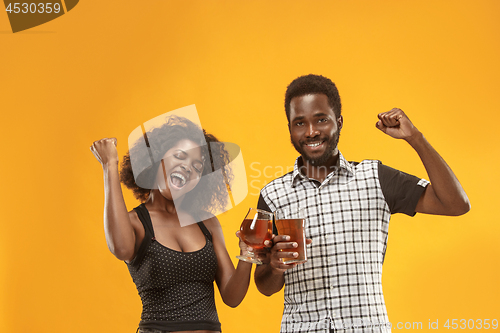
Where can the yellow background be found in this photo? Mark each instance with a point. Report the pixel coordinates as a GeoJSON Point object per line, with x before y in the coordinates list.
{"type": "Point", "coordinates": [107, 66]}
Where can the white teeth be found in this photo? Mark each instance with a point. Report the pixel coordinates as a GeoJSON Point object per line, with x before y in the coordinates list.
{"type": "Point", "coordinates": [314, 144]}
{"type": "Point", "coordinates": [180, 176]}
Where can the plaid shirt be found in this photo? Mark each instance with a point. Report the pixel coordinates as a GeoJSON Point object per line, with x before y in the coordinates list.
{"type": "Point", "coordinates": [347, 217]}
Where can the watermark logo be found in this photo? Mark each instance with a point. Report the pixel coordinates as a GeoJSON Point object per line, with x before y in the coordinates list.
{"type": "Point", "coordinates": [24, 15]}
{"type": "Point", "coordinates": [203, 180]}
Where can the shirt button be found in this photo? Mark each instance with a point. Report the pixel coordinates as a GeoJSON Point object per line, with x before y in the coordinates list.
{"type": "Point", "coordinates": [332, 287]}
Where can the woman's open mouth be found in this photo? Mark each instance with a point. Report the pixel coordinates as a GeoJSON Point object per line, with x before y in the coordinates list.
{"type": "Point", "coordinates": [178, 180]}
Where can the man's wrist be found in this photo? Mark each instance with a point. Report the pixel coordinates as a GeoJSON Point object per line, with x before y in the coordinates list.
{"type": "Point", "coordinates": [276, 271]}
{"type": "Point", "coordinates": [415, 139]}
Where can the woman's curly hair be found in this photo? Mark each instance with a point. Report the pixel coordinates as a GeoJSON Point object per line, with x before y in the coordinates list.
{"type": "Point", "coordinates": [210, 194]}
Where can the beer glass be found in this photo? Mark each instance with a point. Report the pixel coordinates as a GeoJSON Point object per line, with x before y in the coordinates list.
{"type": "Point", "coordinates": [256, 228]}
{"type": "Point", "coordinates": [291, 222]}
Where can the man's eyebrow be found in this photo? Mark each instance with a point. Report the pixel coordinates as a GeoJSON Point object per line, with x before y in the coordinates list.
{"type": "Point", "coordinates": [298, 118]}
{"type": "Point", "coordinates": [320, 114]}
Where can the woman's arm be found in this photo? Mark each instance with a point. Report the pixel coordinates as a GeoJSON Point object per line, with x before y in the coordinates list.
{"type": "Point", "coordinates": [232, 283]}
{"type": "Point", "coordinates": [119, 226]}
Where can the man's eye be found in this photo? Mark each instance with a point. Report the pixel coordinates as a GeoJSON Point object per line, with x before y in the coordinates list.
{"type": "Point", "coordinates": [322, 120]}
{"type": "Point", "coordinates": [299, 123]}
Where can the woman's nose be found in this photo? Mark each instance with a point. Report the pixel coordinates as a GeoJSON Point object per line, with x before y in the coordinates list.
{"type": "Point", "coordinates": [186, 168]}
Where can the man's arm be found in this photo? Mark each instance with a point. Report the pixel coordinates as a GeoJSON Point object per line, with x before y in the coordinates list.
{"type": "Point", "coordinates": [269, 277]}
{"type": "Point", "coordinates": [445, 195]}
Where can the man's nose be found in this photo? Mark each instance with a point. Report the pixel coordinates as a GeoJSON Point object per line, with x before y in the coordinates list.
{"type": "Point", "coordinates": [312, 131]}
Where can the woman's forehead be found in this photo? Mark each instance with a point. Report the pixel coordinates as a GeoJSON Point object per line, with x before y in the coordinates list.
{"type": "Point", "coordinates": [187, 146]}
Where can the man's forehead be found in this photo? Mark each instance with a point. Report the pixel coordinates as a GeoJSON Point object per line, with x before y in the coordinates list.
{"type": "Point", "coordinates": [315, 98]}
{"type": "Point", "coordinates": [310, 96]}
{"type": "Point", "coordinates": [312, 104]}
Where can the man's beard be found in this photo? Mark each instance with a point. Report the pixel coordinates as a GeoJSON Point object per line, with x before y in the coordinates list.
{"type": "Point", "coordinates": [320, 160]}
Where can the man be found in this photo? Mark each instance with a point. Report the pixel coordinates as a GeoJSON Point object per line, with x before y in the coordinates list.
{"type": "Point", "coordinates": [348, 207]}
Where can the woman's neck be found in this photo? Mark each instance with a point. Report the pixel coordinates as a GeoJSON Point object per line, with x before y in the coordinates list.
{"type": "Point", "coordinates": [157, 201]}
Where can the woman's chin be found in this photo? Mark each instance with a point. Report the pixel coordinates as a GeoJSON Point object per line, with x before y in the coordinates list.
{"type": "Point", "coordinates": [172, 195]}
{"type": "Point", "coordinates": [176, 193]}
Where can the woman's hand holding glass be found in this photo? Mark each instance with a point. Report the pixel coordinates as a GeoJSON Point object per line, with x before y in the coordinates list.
{"type": "Point", "coordinates": [255, 232]}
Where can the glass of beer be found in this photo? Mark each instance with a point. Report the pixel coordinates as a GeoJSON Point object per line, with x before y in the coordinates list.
{"type": "Point", "coordinates": [256, 228]}
{"type": "Point", "coordinates": [291, 222]}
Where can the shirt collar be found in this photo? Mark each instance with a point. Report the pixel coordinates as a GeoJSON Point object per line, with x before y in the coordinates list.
{"type": "Point", "coordinates": [342, 168]}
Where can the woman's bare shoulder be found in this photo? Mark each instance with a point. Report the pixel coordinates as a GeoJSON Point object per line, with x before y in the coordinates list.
{"type": "Point", "coordinates": [213, 225]}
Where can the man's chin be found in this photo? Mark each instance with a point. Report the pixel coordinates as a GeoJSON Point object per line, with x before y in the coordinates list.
{"type": "Point", "coordinates": [317, 160]}
{"type": "Point", "coordinates": [312, 160]}
{"type": "Point", "coordinates": [308, 158]}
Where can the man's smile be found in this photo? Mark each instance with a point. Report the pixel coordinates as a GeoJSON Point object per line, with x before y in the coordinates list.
{"type": "Point", "coordinates": [314, 145]}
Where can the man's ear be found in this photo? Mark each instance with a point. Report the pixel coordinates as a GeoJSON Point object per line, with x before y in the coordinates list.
{"type": "Point", "coordinates": [340, 122]}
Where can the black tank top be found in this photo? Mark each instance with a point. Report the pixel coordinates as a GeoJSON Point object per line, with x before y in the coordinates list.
{"type": "Point", "coordinates": [176, 288]}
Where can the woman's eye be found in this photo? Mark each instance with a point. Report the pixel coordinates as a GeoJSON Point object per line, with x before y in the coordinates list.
{"type": "Point", "coordinates": [198, 168]}
{"type": "Point", "coordinates": [180, 156]}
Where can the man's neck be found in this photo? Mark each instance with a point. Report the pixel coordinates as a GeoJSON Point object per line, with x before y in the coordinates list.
{"type": "Point", "coordinates": [318, 172]}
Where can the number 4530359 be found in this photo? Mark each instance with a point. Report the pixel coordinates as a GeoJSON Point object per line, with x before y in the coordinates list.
{"type": "Point", "coordinates": [33, 8]}
{"type": "Point", "coordinates": [471, 323]}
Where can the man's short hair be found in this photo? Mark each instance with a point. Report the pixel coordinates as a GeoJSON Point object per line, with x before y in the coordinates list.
{"type": "Point", "coordinates": [313, 84]}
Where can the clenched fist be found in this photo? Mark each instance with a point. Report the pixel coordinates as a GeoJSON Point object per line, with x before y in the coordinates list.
{"type": "Point", "coordinates": [396, 124]}
{"type": "Point", "coordinates": [105, 151]}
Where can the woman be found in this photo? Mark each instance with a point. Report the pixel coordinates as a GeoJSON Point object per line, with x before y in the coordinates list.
{"type": "Point", "coordinates": [172, 259]}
